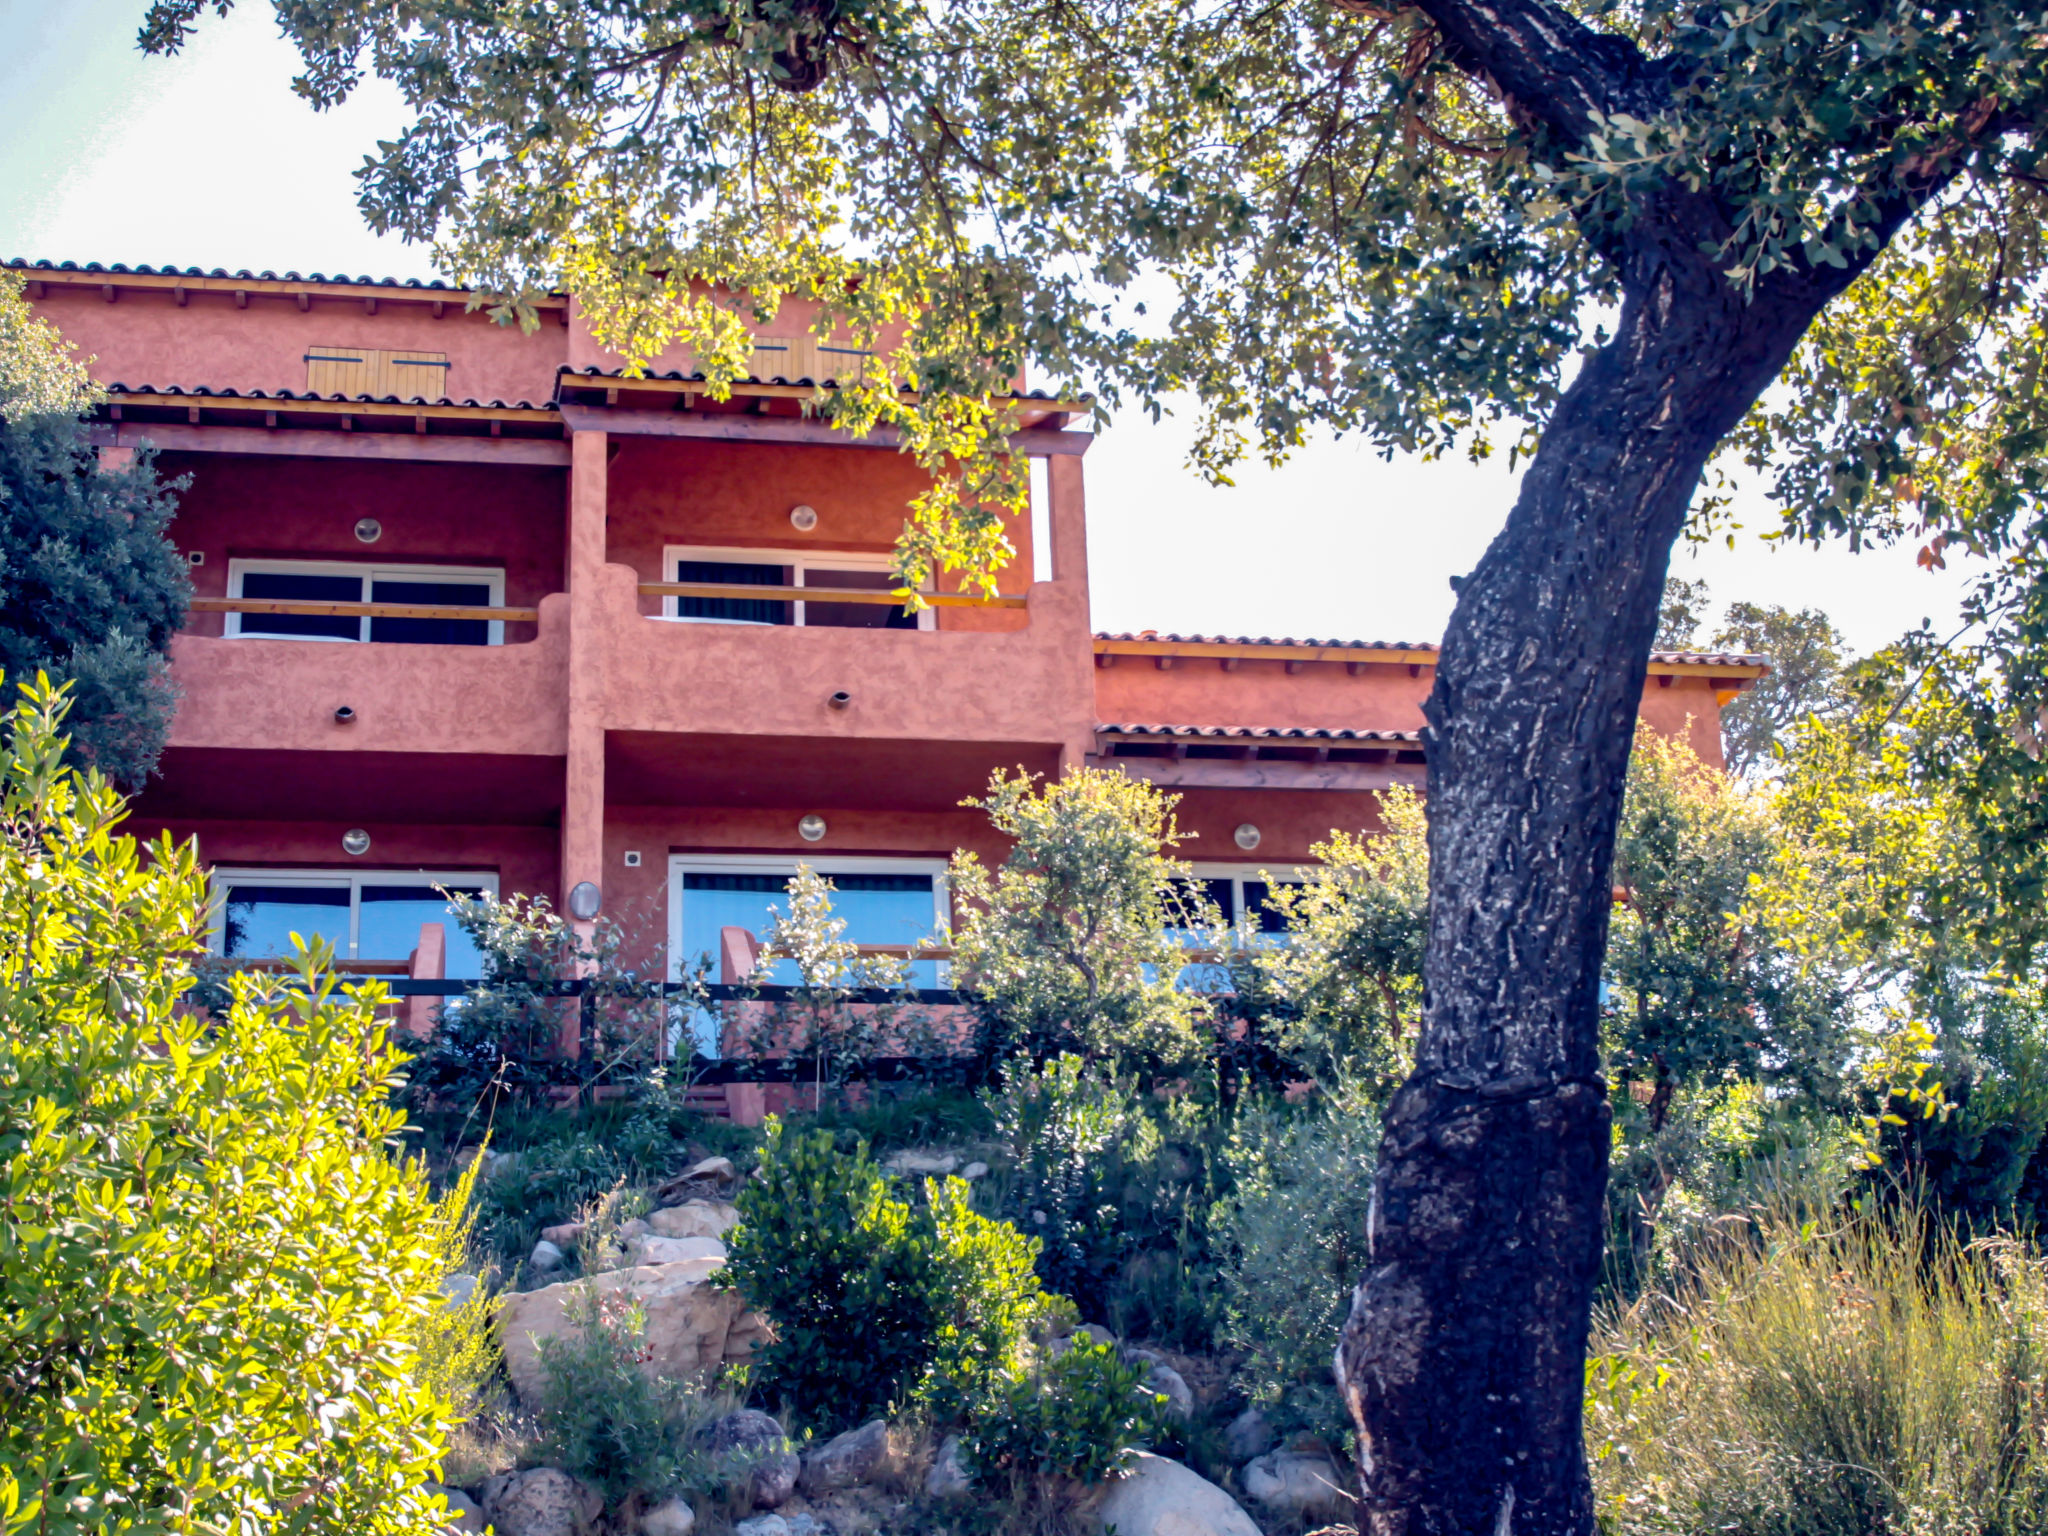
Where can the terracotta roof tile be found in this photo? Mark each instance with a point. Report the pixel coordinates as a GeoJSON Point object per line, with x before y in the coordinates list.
{"type": "Point", "coordinates": [674, 376]}
{"type": "Point", "coordinates": [119, 268]}
{"type": "Point", "coordinates": [1256, 732]}
{"type": "Point", "coordinates": [1669, 658]}
{"type": "Point", "coordinates": [202, 392]}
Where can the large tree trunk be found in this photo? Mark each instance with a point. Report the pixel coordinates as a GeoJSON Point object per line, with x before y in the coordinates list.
{"type": "Point", "coordinates": [1463, 1358]}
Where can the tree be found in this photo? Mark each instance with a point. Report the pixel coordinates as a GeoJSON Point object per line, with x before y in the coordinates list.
{"type": "Point", "coordinates": [91, 590]}
{"type": "Point", "coordinates": [1808, 656]}
{"type": "Point", "coordinates": [1400, 220]}
{"type": "Point", "coordinates": [1683, 611]}
{"type": "Point", "coordinates": [216, 1274]}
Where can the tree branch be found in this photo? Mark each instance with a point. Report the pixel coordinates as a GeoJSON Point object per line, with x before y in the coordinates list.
{"type": "Point", "coordinates": [1551, 67]}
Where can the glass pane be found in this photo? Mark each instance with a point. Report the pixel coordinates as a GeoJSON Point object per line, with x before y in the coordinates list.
{"type": "Point", "coordinates": [854, 615]}
{"type": "Point", "coordinates": [1255, 893]}
{"type": "Point", "coordinates": [302, 589]}
{"type": "Point", "coordinates": [260, 919]}
{"type": "Point", "coordinates": [392, 915]}
{"type": "Point", "coordinates": [441, 594]}
{"type": "Point", "coordinates": [734, 610]}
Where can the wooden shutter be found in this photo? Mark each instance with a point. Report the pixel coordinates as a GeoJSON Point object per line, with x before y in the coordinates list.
{"type": "Point", "coordinates": [803, 357]}
{"type": "Point", "coordinates": [377, 372]}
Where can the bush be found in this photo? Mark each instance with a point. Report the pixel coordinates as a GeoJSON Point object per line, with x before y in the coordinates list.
{"type": "Point", "coordinates": [1081, 1416]}
{"type": "Point", "coordinates": [1878, 1375]}
{"type": "Point", "coordinates": [214, 1273]}
{"type": "Point", "coordinates": [875, 1301]}
{"type": "Point", "coordinates": [604, 1419]}
{"type": "Point", "coordinates": [1294, 1236]}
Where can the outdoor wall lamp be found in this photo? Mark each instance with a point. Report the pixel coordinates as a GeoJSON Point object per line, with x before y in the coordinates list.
{"type": "Point", "coordinates": [345, 716]}
{"type": "Point", "coordinates": [840, 699]}
{"type": "Point", "coordinates": [811, 829]}
{"type": "Point", "coordinates": [369, 530]}
{"type": "Point", "coordinates": [803, 519]}
{"type": "Point", "coordinates": [585, 901]}
{"type": "Point", "coordinates": [355, 842]}
{"type": "Point", "coordinates": [1246, 837]}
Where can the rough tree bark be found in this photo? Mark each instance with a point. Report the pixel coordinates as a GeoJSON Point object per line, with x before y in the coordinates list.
{"type": "Point", "coordinates": [1463, 1358]}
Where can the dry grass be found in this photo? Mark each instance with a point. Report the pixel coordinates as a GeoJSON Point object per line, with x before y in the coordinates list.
{"type": "Point", "coordinates": [1871, 1377]}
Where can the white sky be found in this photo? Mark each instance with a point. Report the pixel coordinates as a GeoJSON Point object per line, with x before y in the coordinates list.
{"type": "Point", "coordinates": [209, 160]}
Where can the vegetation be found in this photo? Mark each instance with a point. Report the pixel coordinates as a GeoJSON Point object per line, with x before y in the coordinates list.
{"type": "Point", "coordinates": [1080, 1416]}
{"type": "Point", "coordinates": [91, 589]}
{"type": "Point", "coordinates": [216, 1275]}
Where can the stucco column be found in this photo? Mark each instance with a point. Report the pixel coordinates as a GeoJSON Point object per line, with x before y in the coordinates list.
{"type": "Point", "coordinates": [1067, 515]}
{"type": "Point", "coordinates": [583, 786]}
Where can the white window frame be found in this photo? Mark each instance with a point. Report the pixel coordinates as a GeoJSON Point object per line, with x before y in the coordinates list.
{"type": "Point", "coordinates": [224, 876]}
{"type": "Point", "coordinates": [785, 866]}
{"type": "Point", "coordinates": [798, 560]}
{"type": "Point", "coordinates": [366, 571]}
{"type": "Point", "coordinates": [1238, 874]}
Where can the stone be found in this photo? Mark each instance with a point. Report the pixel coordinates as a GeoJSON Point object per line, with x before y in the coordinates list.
{"type": "Point", "coordinates": [692, 1326]}
{"type": "Point", "coordinates": [564, 1236]}
{"type": "Point", "coordinates": [1161, 1497]}
{"type": "Point", "coordinates": [1095, 1333]}
{"type": "Point", "coordinates": [846, 1460]}
{"type": "Point", "coordinates": [547, 1258]}
{"type": "Point", "coordinates": [754, 1436]}
{"type": "Point", "coordinates": [948, 1477]}
{"type": "Point", "coordinates": [1249, 1434]}
{"type": "Point", "coordinates": [1164, 1381]}
{"type": "Point", "coordinates": [465, 1514]}
{"type": "Point", "coordinates": [808, 1525]}
{"type": "Point", "coordinates": [543, 1502]}
{"type": "Point", "coordinates": [1287, 1483]}
{"type": "Point", "coordinates": [673, 1250]}
{"type": "Point", "coordinates": [974, 1171]}
{"type": "Point", "coordinates": [695, 1218]}
{"type": "Point", "coordinates": [925, 1164]}
{"type": "Point", "coordinates": [631, 1228]}
{"type": "Point", "coordinates": [671, 1517]}
{"type": "Point", "coordinates": [762, 1525]}
{"type": "Point", "coordinates": [459, 1290]}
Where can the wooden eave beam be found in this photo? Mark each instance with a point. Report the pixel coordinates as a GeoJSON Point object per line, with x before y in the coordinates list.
{"type": "Point", "coordinates": [254, 406]}
{"type": "Point", "coordinates": [744, 389]}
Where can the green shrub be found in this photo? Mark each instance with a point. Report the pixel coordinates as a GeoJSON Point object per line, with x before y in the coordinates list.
{"type": "Point", "coordinates": [213, 1271]}
{"type": "Point", "coordinates": [1875, 1376]}
{"type": "Point", "coordinates": [1294, 1235]}
{"type": "Point", "coordinates": [875, 1300]}
{"type": "Point", "coordinates": [602, 1418]}
{"type": "Point", "coordinates": [1081, 1416]}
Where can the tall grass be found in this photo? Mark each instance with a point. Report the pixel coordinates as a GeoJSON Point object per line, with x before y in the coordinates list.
{"type": "Point", "coordinates": [1874, 1376]}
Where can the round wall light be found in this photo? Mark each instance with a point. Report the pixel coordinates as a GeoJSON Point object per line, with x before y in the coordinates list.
{"type": "Point", "coordinates": [803, 519]}
{"type": "Point", "coordinates": [369, 530]}
{"type": "Point", "coordinates": [585, 901]}
{"type": "Point", "coordinates": [355, 841]}
{"type": "Point", "coordinates": [1246, 836]}
{"type": "Point", "coordinates": [811, 829]}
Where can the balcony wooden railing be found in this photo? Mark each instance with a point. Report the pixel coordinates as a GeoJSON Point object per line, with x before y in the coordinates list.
{"type": "Point", "coordinates": [733, 592]}
{"type": "Point", "coordinates": [361, 610]}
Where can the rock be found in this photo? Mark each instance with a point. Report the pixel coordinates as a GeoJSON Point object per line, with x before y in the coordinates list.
{"type": "Point", "coordinates": [459, 1290]}
{"type": "Point", "coordinates": [1164, 1498]}
{"type": "Point", "coordinates": [1287, 1483]}
{"type": "Point", "coordinates": [692, 1327]}
{"type": "Point", "coordinates": [928, 1164]}
{"type": "Point", "coordinates": [1164, 1381]}
{"type": "Point", "coordinates": [808, 1525]}
{"type": "Point", "coordinates": [949, 1477]}
{"type": "Point", "coordinates": [671, 1517]}
{"type": "Point", "coordinates": [1094, 1333]}
{"type": "Point", "coordinates": [564, 1236]}
{"type": "Point", "coordinates": [631, 1228]}
{"type": "Point", "coordinates": [695, 1218]}
{"type": "Point", "coordinates": [974, 1171]}
{"type": "Point", "coordinates": [753, 1436]}
{"type": "Point", "coordinates": [464, 1513]}
{"type": "Point", "coordinates": [542, 1502]}
{"type": "Point", "coordinates": [673, 1250]}
{"type": "Point", "coordinates": [546, 1259]}
{"type": "Point", "coordinates": [762, 1525]}
{"type": "Point", "coordinates": [846, 1460]}
{"type": "Point", "coordinates": [1247, 1435]}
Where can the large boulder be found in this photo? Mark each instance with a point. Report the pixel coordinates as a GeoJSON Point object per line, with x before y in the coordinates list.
{"type": "Point", "coordinates": [695, 1218]}
{"type": "Point", "coordinates": [671, 1517]}
{"type": "Point", "coordinates": [752, 1436]}
{"type": "Point", "coordinates": [949, 1477]}
{"type": "Point", "coordinates": [542, 1502]}
{"type": "Point", "coordinates": [692, 1325]}
{"type": "Point", "coordinates": [846, 1460]}
{"type": "Point", "coordinates": [1249, 1434]}
{"type": "Point", "coordinates": [1288, 1484]}
{"type": "Point", "coordinates": [652, 1249]}
{"type": "Point", "coordinates": [1164, 1498]}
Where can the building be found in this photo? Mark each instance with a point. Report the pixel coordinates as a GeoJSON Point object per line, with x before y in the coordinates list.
{"type": "Point", "coordinates": [477, 610]}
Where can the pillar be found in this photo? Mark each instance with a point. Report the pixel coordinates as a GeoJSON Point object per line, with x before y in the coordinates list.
{"type": "Point", "coordinates": [583, 782]}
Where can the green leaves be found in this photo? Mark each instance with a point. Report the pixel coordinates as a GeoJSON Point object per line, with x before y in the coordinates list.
{"type": "Point", "coordinates": [212, 1269]}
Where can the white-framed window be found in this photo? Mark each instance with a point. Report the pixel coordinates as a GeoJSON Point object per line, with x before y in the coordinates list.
{"type": "Point", "coordinates": [883, 901]}
{"type": "Point", "coordinates": [1239, 892]}
{"type": "Point", "coordinates": [345, 581]}
{"type": "Point", "coordinates": [811, 570]}
{"type": "Point", "coordinates": [368, 914]}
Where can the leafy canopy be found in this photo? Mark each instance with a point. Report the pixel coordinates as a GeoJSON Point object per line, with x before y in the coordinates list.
{"type": "Point", "coordinates": [1326, 212]}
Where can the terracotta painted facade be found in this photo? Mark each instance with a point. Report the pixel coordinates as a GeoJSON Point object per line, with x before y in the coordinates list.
{"type": "Point", "coordinates": [599, 737]}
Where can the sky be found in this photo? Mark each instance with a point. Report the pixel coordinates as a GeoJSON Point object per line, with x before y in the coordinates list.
{"type": "Point", "coordinates": [208, 159]}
